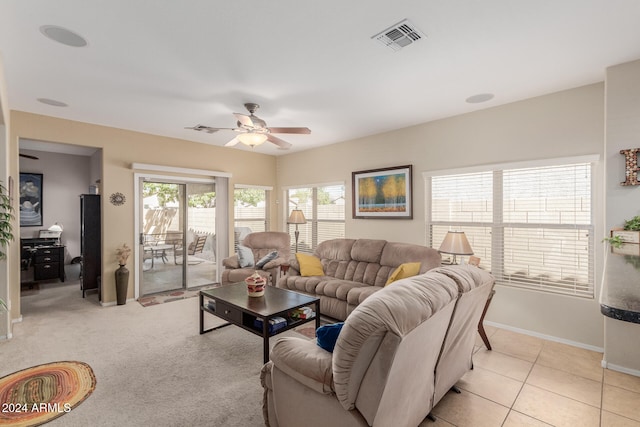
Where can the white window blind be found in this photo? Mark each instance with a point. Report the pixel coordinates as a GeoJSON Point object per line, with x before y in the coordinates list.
{"type": "Point", "coordinates": [532, 227]}
{"type": "Point", "coordinates": [250, 207]}
{"type": "Point", "coordinates": [324, 210]}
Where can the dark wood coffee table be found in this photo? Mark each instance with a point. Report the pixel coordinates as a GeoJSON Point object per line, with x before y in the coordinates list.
{"type": "Point", "coordinates": [236, 307]}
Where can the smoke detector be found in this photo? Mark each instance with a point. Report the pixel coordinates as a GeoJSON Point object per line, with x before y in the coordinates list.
{"type": "Point", "coordinates": [399, 35]}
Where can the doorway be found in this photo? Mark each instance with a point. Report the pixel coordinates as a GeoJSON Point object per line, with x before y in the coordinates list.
{"type": "Point", "coordinates": [177, 234]}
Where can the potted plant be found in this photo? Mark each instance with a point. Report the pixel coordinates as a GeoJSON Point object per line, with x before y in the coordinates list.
{"type": "Point", "coordinates": [626, 240]}
{"type": "Point", "coordinates": [122, 274]}
{"type": "Point", "coordinates": [630, 233]}
{"type": "Point", "coordinates": [6, 230]}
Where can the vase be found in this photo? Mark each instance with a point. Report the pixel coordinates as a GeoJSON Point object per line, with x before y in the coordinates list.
{"type": "Point", "coordinates": [122, 284]}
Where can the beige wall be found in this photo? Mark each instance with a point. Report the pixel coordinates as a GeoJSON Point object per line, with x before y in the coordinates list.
{"type": "Point", "coordinates": [120, 149]}
{"type": "Point", "coordinates": [562, 124]}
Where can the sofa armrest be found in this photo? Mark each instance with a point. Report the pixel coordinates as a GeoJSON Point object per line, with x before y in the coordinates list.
{"type": "Point", "coordinates": [231, 262]}
{"type": "Point", "coordinates": [274, 263]}
{"type": "Point", "coordinates": [305, 362]}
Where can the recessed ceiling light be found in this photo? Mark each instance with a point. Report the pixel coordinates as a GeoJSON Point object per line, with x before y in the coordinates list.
{"type": "Point", "coordinates": [481, 97]}
{"type": "Point", "coordinates": [62, 35]}
{"type": "Point", "coordinates": [52, 102]}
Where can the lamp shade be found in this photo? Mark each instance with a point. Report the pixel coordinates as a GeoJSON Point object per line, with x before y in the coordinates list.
{"type": "Point", "coordinates": [56, 227]}
{"type": "Point", "coordinates": [296, 217]}
{"type": "Point", "coordinates": [252, 139]}
{"type": "Point", "coordinates": [456, 243]}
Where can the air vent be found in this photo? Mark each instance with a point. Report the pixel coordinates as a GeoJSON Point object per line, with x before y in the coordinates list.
{"type": "Point", "coordinates": [399, 35]}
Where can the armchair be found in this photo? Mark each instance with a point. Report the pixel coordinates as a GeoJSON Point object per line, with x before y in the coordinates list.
{"type": "Point", "coordinates": [259, 244]}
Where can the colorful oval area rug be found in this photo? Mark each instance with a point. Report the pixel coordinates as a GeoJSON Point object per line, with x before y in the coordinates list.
{"type": "Point", "coordinates": [37, 395]}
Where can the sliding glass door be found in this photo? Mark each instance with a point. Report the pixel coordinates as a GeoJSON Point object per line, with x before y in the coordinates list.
{"type": "Point", "coordinates": [177, 235]}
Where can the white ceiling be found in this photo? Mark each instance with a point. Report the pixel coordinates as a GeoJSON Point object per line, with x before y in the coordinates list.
{"type": "Point", "coordinates": [159, 66]}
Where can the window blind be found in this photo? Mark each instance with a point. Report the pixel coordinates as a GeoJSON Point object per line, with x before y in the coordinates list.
{"type": "Point", "coordinates": [324, 210]}
{"type": "Point", "coordinates": [532, 227]}
{"type": "Point", "coordinates": [250, 210]}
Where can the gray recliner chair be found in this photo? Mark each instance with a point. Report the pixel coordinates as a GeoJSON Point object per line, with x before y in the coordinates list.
{"type": "Point", "coordinates": [260, 244]}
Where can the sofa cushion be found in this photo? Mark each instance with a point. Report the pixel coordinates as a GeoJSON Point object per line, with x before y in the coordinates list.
{"type": "Point", "coordinates": [327, 335]}
{"type": "Point", "coordinates": [367, 250]}
{"type": "Point", "coordinates": [245, 257]}
{"type": "Point", "coordinates": [337, 288]}
{"type": "Point", "coordinates": [309, 265]}
{"type": "Point", "coordinates": [408, 269]}
{"type": "Point", "coordinates": [336, 249]}
{"type": "Point", "coordinates": [357, 295]}
{"type": "Point", "coordinates": [396, 253]}
{"type": "Point", "coordinates": [304, 361]}
{"type": "Point", "coordinates": [265, 259]}
{"type": "Point", "coordinates": [300, 283]}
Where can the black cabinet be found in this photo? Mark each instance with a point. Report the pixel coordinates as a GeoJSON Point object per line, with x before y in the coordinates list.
{"type": "Point", "coordinates": [90, 242]}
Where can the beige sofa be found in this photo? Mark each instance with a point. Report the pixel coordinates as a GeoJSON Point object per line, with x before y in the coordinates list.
{"type": "Point", "coordinates": [260, 244]}
{"type": "Point", "coordinates": [354, 269]}
{"type": "Point", "coordinates": [398, 353]}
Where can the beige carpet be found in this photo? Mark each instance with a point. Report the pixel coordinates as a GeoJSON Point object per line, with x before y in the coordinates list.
{"type": "Point", "coordinates": [152, 366]}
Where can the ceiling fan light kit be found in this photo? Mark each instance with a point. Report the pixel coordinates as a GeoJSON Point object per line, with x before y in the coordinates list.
{"type": "Point", "coordinates": [253, 131]}
{"type": "Point", "coordinates": [252, 139]}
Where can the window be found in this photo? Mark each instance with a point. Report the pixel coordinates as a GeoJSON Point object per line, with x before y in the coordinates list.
{"type": "Point", "coordinates": [251, 213]}
{"type": "Point", "coordinates": [532, 227]}
{"type": "Point", "coordinates": [323, 208]}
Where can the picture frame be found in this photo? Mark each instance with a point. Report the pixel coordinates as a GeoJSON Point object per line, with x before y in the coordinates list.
{"type": "Point", "coordinates": [474, 260]}
{"type": "Point", "coordinates": [30, 193]}
{"type": "Point", "coordinates": [384, 193]}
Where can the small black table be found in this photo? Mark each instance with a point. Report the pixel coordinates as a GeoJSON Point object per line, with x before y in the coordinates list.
{"type": "Point", "coordinates": [236, 307]}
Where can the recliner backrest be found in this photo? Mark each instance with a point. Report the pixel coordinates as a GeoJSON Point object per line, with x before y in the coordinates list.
{"type": "Point", "coordinates": [263, 242]}
{"type": "Point", "coordinates": [474, 286]}
{"type": "Point", "coordinates": [388, 347]}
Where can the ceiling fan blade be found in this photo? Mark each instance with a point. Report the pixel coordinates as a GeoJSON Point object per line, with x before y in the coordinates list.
{"type": "Point", "coordinates": [29, 156]}
{"type": "Point", "coordinates": [305, 131]}
{"type": "Point", "coordinates": [203, 128]}
{"type": "Point", "coordinates": [244, 119]}
{"type": "Point", "coordinates": [282, 145]}
{"type": "Point", "coordinates": [233, 142]}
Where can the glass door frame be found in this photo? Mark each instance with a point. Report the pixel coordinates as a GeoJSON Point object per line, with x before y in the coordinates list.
{"type": "Point", "coordinates": [138, 179]}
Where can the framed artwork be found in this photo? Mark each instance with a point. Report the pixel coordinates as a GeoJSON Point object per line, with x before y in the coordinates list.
{"type": "Point", "coordinates": [30, 190]}
{"type": "Point", "coordinates": [382, 193]}
{"type": "Point", "coordinates": [474, 260]}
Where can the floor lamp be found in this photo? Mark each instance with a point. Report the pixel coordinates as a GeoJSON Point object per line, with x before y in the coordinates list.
{"type": "Point", "coordinates": [296, 217]}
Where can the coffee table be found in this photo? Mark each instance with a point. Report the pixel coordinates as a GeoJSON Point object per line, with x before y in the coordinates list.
{"type": "Point", "coordinates": [236, 307]}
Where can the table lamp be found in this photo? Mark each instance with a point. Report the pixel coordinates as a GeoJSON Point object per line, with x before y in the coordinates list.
{"type": "Point", "coordinates": [455, 243]}
{"type": "Point", "coordinates": [57, 228]}
{"type": "Point", "coordinates": [296, 217]}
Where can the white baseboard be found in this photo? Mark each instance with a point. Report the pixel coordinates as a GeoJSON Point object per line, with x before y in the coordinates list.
{"type": "Point", "coordinates": [619, 368]}
{"type": "Point", "coordinates": [545, 337]}
{"type": "Point", "coordinates": [17, 320]}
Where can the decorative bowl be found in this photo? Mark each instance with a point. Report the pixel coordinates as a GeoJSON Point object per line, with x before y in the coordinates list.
{"type": "Point", "coordinates": [255, 285]}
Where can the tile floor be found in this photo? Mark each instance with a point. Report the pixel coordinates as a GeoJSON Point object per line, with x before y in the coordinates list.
{"type": "Point", "coordinates": [528, 381]}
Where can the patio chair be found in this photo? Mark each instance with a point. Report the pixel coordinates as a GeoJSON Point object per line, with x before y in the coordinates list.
{"type": "Point", "coordinates": [197, 246]}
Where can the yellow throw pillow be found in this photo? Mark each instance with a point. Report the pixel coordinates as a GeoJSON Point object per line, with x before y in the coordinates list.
{"type": "Point", "coordinates": [309, 265]}
{"type": "Point", "coordinates": [403, 271]}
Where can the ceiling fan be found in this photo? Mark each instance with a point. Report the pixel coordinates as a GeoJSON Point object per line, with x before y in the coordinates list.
{"type": "Point", "coordinates": [28, 156]}
{"type": "Point", "coordinates": [253, 130]}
